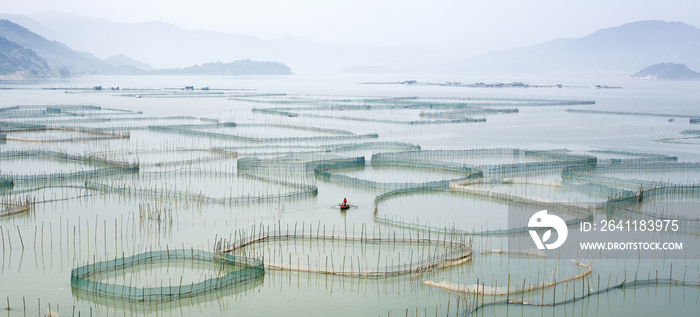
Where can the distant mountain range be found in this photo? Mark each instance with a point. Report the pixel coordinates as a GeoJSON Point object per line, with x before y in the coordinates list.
{"type": "Point", "coordinates": [669, 71]}
{"type": "Point", "coordinates": [17, 62]}
{"type": "Point", "coordinates": [122, 60]}
{"type": "Point", "coordinates": [25, 54]}
{"type": "Point", "coordinates": [241, 67]}
{"type": "Point", "coordinates": [622, 49]}
{"type": "Point", "coordinates": [163, 45]}
{"type": "Point", "coordinates": [56, 54]}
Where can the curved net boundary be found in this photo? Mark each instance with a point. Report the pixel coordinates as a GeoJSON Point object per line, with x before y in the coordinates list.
{"type": "Point", "coordinates": [584, 174]}
{"type": "Point", "coordinates": [323, 171]}
{"type": "Point", "coordinates": [80, 277]}
{"type": "Point", "coordinates": [638, 157]}
{"type": "Point", "coordinates": [113, 167]}
{"type": "Point", "coordinates": [544, 160]}
{"type": "Point", "coordinates": [587, 214]}
{"type": "Point", "coordinates": [585, 269]}
{"type": "Point", "coordinates": [291, 162]}
{"type": "Point", "coordinates": [217, 155]}
{"type": "Point", "coordinates": [414, 122]}
{"type": "Point", "coordinates": [460, 252]}
{"type": "Point", "coordinates": [586, 293]}
{"type": "Point", "coordinates": [258, 150]}
{"type": "Point", "coordinates": [302, 190]}
{"type": "Point", "coordinates": [187, 130]}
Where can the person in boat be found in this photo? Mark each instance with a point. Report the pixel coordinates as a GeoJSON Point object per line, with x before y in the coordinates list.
{"type": "Point", "coordinates": [345, 203]}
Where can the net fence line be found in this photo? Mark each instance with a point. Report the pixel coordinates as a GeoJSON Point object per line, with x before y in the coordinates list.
{"type": "Point", "coordinates": [407, 122]}
{"type": "Point", "coordinates": [226, 136]}
{"type": "Point", "coordinates": [217, 155]}
{"type": "Point", "coordinates": [10, 206]}
{"type": "Point", "coordinates": [290, 150]}
{"type": "Point", "coordinates": [460, 252]}
{"type": "Point", "coordinates": [323, 172]}
{"type": "Point", "coordinates": [113, 167]}
{"type": "Point", "coordinates": [586, 293]}
{"type": "Point", "coordinates": [81, 276]}
{"type": "Point", "coordinates": [508, 290]}
{"type": "Point", "coordinates": [544, 160]}
{"type": "Point", "coordinates": [301, 190]}
{"type": "Point", "coordinates": [573, 204]}
{"type": "Point", "coordinates": [585, 212]}
{"type": "Point", "coordinates": [581, 174]}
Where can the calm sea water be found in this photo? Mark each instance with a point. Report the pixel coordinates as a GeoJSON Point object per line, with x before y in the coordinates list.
{"type": "Point", "coordinates": [61, 235]}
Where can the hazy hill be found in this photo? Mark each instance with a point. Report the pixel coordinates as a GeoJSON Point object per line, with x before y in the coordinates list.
{"type": "Point", "coordinates": [123, 60]}
{"type": "Point", "coordinates": [669, 71]}
{"type": "Point", "coordinates": [56, 54]}
{"type": "Point", "coordinates": [621, 49]}
{"type": "Point", "coordinates": [164, 45]}
{"type": "Point", "coordinates": [240, 67]}
{"type": "Point", "coordinates": [15, 58]}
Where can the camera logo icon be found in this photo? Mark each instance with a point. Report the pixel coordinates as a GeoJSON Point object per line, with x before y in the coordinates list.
{"type": "Point", "coordinates": [542, 220]}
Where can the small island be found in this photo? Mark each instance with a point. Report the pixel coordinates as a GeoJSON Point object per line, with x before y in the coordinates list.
{"type": "Point", "coordinates": [240, 67]}
{"type": "Point", "coordinates": [667, 71]}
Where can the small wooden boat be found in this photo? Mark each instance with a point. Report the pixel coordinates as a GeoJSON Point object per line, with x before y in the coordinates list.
{"type": "Point", "coordinates": [344, 206]}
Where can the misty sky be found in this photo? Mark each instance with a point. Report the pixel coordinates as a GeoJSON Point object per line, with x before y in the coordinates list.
{"type": "Point", "coordinates": [486, 25]}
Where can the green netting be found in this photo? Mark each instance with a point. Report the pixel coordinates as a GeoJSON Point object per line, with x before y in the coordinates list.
{"type": "Point", "coordinates": [56, 111]}
{"type": "Point", "coordinates": [80, 134]}
{"type": "Point", "coordinates": [190, 131]}
{"type": "Point", "coordinates": [586, 292]}
{"type": "Point", "coordinates": [296, 127]}
{"type": "Point", "coordinates": [628, 175]}
{"type": "Point", "coordinates": [478, 158]}
{"type": "Point", "coordinates": [75, 121]}
{"type": "Point", "coordinates": [586, 214]}
{"type": "Point", "coordinates": [632, 157]}
{"type": "Point", "coordinates": [405, 102]}
{"type": "Point", "coordinates": [610, 194]}
{"type": "Point", "coordinates": [190, 154]}
{"type": "Point", "coordinates": [6, 182]}
{"type": "Point", "coordinates": [458, 251]}
{"type": "Point", "coordinates": [416, 122]}
{"type": "Point", "coordinates": [258, 150]}
{"type": "Point", "coordinates": [113, 167]}
{"type": "Point", "coordinates": [323, 171]}
{"type": "Point", "coordinates": [291, 162]}
{"type": "Point", "coordinates": [170, 191]}
{"type": "Point", "coordinates": [81, 276]}
{"type": "Point", "coordinates": [645, 114]}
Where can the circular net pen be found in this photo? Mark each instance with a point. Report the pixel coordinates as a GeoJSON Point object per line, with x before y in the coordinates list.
{"type": "Point", "coordinates": [495, 163]}
{"type": "Point", "coordinates": [618, 157]}
{"type": "Point", "coordinates": [85, 278]}
{"type": "Point", "coordinates": [312, 251]}
{"type": "Point", "coordinates": [157, 158]}
{"type": "Point", "coordinates": [368, 117]}
{"type": "Point", "coordinates": [68, 166]}
{"type": "Point", "coordinates": [332, 172]}
{"type": "Point", "coordinates": [572, 214]}
{"type": "Point", "coordinates": [213, 131]}
{"type": "Point", "coordinates": [297, 162]}
{"type": "Point", "coordinates": [584, 196]}
{"type": "Point", "coordinates": [637, 177]}
{"type": "Point", "coordinates": [204, 186]}
{"type": "Point", "coordinates": [276, 150]}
